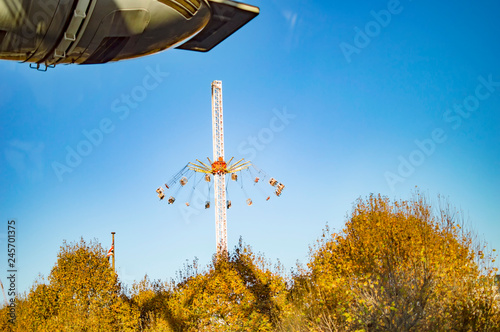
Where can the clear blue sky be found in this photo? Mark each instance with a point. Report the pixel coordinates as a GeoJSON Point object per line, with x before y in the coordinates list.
{"type": "Point", "coordinates": [411, 100]}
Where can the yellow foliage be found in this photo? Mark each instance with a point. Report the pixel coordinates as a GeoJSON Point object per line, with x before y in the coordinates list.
{"type": "Point", "coordinates": [82, 294]}
{"type": "Point", "coordinates": [235, 294]}
{"type": "Point", "coordinates": [397, 267]}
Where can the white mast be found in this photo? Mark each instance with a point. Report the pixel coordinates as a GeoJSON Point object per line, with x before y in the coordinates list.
{"type": "Point", "coordinates": [218, 168]}
{"type": "Point", "coordinates": [219, 177]}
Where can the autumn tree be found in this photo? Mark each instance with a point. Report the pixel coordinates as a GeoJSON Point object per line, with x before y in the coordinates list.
{"type": "Point", "coordinates": [150, 298]}
{"type": "Point", "coordinates": [82, 294]}
{"type": "Point", "coordinates": [237, 292]}
{"type": "Point", "coordinates": [397, 266]}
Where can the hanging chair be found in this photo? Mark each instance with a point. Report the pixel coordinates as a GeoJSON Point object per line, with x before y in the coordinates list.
{"type": "Point", "coordinates": [160, 193]}
{"type": "Point", "coordinates": [183, 181]}
{"type": "Point", "coordinates": [273, 182]}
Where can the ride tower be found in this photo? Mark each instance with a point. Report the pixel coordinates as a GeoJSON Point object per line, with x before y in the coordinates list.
{"type": "Point", "coordinates": [217, 169]}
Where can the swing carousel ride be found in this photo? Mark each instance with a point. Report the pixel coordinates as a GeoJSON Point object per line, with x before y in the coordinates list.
{"type": "Point", "coordinates": [199, 173]}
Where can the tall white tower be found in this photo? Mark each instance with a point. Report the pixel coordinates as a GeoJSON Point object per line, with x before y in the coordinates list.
{"type": "Point", "coordinates": [220, 164]}
{"type": "Point", "coordinates": [217, 169]}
